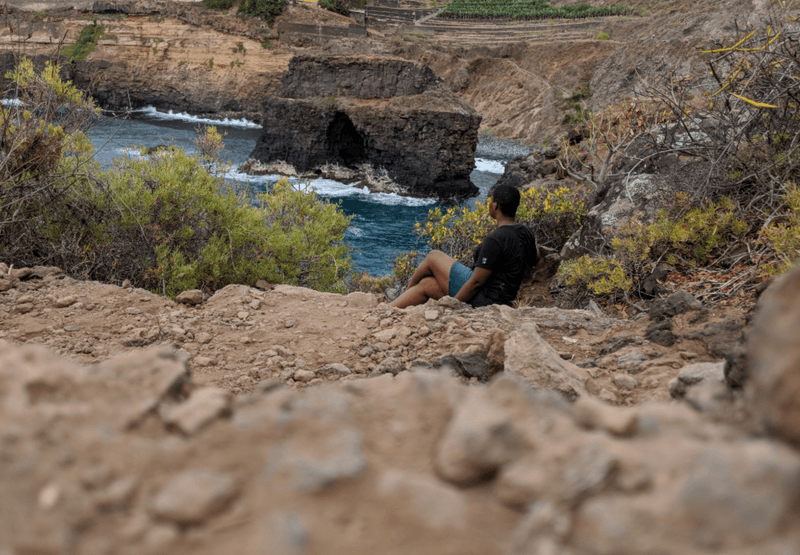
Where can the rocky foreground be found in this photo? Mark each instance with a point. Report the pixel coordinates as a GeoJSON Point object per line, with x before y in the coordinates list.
{"type": "Point", "coordinates": [283, 420]}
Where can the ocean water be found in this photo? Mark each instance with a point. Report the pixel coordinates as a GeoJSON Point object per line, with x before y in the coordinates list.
{"type": "Point", "coordinates": [382, 224]}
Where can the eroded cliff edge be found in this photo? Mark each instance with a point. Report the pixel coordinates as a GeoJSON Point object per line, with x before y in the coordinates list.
{"type": "Point", "coordinates": [389, 123]}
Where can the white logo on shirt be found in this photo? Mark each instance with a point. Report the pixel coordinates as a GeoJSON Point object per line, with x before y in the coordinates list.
{"type": "Point", "coordinates": [484, 260]}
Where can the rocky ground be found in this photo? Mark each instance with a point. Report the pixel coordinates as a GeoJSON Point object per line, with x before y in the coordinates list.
{"type": "Point", "coordinates": [284, 420]}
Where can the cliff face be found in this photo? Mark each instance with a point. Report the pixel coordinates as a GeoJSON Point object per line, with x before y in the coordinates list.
{"type": "Point", "coordinates": [394, 127]}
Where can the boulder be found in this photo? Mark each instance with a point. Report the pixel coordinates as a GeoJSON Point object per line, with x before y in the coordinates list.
{"type": "Point", "coordinates": [418, 140]}
{"type": "Point", "coordinates": [677, 303]}
{"type": "Point", "coordinates": [693, 374]}
{"type": "Point", "coordinates": [773, 358]}
{"type": "Point", "coordinates": [522, 170]}
{"type": "Point", "coordinates": [480, 438]}
{"type": "Point", "coordinates": [639, 193]}
{"type": "Point", "coordinates": [191, 297]}
{"type": "Point", "coordinates": [193, 496]}
{"type": "Point", "coordinates": [530, 357]}
{"type": "Point", "coordinates": [203, 407]}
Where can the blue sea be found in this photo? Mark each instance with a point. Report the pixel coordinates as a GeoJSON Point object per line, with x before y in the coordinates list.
{"type": "Point", "coordinates": [382, 223]}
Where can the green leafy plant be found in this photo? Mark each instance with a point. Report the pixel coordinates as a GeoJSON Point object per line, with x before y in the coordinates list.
{"type": "Point", "coordinates": [553, 214]}
{"type": "Point", "coordinates": [219, 4]}
{"type": "Point", "coordinates": [574, 104]}
{"type": "Point", "coordinates": [525, 9]}
{"type": "Point", "coordinates": [602, 35]}
{"type": "Point", "coordinates": [85, 43]}
{"type": "Point", "coordinates": [166, 220]}
{"type": "Point", "coordinates": [267, 10]}
{"type": "Point", "coordinates": [342, 6]}
{"type": "Point", "coordinates": [783, 236]}
{"type": "Point", "coordinates": [682, 236]}
{"type": "Point", "coordinates": [600, 276]}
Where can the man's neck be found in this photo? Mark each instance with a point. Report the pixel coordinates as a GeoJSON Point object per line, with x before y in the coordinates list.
{"type": "Point", "coordinates": [505, 220]}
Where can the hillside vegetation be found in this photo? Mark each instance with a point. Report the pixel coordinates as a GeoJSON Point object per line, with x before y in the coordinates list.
{"type": "Point", "coordinates": [165, 220]}
{"type": "Point", "coordinates": [523, 9]}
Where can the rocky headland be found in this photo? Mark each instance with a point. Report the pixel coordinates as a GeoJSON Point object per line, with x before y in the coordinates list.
{"type": "Point", "coordinates": [386, 122]}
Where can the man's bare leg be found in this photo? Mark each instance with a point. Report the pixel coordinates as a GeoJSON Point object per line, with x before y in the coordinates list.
{"type": "Point", "coordinates": [435, 267]}
{"type": "Point", "coordinates": [427, 288]}
{"type": "Point", "coordinates": [436, 264]}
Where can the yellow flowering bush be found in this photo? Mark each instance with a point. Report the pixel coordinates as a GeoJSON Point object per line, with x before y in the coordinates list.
{"type": "Point", "coordinates": [552, 213]}
{"type": "Point", "coordinates": [784, 236]}
{"type": "Point", "coordinates": [681, 236]}
{"type": "Point", "coordinates": [601, 275]}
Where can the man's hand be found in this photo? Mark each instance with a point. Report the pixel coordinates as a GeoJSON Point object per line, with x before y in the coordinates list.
{"type": "Point", "coordinates": [477, 280]}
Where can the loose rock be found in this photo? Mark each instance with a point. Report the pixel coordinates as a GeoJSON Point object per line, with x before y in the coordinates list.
{"type": "Point", "coordinates": [191, 297]}
{"type": "Point", "coordinates": [194, 496]}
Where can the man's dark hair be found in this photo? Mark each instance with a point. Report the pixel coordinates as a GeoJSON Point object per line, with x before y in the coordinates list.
{"type": "Point", "coordinates": [507, 199]}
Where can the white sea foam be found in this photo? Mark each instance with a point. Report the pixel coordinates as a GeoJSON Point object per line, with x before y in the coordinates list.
{"type": "Point", "coordinates": [489, 166]}
{"type": "Point", "coordinates": [330, 188]}
{"type": "Point", "coordinates": [394, 199]}
{"type": "Point", "coordinates": [236, 175]}
{"type": "Point", "coordinates": [12, 102]}
{"type": "Point", "coordinates": [182, 116]}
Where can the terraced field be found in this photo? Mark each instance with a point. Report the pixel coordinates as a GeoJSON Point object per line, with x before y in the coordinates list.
{"type": "Point", "coordinates": [422, 24]}
{"type": "Point", "coordinates": [494, 32]}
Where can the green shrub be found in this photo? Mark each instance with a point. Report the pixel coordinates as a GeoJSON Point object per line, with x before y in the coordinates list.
{"type": "Point", "coordinates": [45, 163]}
{"type": "Point", "coordinates": [403, 267]}
{"type": "Point", "coordinates": [267, 10]}
{"type": "Point", "coordinates": [784, 237]}
{"type": "Point", "coordinates": [219, 4]}
{"type": "Point", "coordinates": [574, 103]}
{"type": "Point", "coordinates": [600, 276]}
{"type": "Point", "coordinates": [681, 236]}
{"type": "Point", "coordinates": [364, 282]}
{"type": "Point", "coordinates": [553, 214]}
{"type": "Point", "coordinates": [189, 230]}
{"type": "Point", "coordinates": [85, 43]}
{"type": "Point", "coordinates": [342, 6]}
{"type": "Point", "coordinates": [166, 220]}
{"type": "Point", "coordinates": [602, 35]}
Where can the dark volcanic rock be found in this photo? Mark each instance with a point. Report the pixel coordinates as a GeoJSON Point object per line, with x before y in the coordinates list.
{"type": "Point", "coordinates": [387, 122]}
{"type": "Point", "coordinates": [362, 77]}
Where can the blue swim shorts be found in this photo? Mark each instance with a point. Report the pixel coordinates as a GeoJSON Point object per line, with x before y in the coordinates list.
{"type": "Point", "coordinates": [459, 274]}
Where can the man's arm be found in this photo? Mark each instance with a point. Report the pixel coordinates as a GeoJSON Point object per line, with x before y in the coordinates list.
{"type": "Point", "coordinates": [477, 280]}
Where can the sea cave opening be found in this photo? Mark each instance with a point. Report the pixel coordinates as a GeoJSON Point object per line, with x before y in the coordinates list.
{"type": "Point", "coordinates": [345, 143]}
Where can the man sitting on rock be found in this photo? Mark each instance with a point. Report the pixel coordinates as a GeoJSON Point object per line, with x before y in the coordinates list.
{"type": "Point", "coordinates": [500, 263]}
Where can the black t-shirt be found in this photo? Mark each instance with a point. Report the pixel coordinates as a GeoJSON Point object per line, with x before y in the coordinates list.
{"type": "Point", "coordinates": [509, 251]}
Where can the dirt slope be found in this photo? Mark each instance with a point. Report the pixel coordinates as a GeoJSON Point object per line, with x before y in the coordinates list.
{"type": "Point", "coordinates": [290, 421]}
{"type": "Point", "coordinates": [243, 336]}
